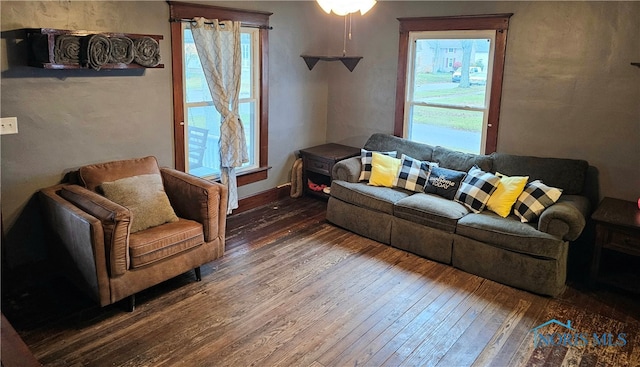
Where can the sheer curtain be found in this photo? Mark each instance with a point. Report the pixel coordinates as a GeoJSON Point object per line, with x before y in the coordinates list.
{"type": "Point", "coordinates": [218, 46]}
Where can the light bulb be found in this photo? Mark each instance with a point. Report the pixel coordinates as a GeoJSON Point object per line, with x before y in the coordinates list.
{"type": "Point", "coordinates": [344, 7]}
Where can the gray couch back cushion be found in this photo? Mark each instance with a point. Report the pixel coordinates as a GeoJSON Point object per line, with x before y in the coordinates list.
{"type": "Point", "coordinates": [566, 174]}
{"type": "Point", "coordinates": [385, 142]}
{"type": "Point", "coordinates": [461, 161]}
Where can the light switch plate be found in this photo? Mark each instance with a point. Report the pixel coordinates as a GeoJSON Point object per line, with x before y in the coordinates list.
{"type": "Point", "coordinates": [9, 125]}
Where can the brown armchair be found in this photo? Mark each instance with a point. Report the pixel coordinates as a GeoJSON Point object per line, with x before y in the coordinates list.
{"type": "Point", "coordinates": [93, 236]}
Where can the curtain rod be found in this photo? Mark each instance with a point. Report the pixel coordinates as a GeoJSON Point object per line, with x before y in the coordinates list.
{"type": "Point", "coordinates": [248, 25]}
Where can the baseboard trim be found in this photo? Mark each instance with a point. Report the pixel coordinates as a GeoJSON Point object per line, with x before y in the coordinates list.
{"type": "Point", "coordinates": [262, 198]}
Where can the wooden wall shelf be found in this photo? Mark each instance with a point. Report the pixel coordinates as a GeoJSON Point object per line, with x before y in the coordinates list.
{"type": "Point", "coordinates": [349, 61]}
{"type": "Point", "coordinates": [66, 49]}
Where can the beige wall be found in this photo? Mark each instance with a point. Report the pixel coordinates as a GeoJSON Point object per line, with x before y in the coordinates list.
{"type": "Point", "coordinates": [569, 91]}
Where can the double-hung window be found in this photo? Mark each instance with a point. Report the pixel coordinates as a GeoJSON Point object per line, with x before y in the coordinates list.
{"type": "Point", "coordinates": [450, 81]}
{"type": "Point", "coordinates": [202, 120]}
{"type": "Point", "coordinates": [196, 120]}
{"type": "Point", "coordinates": [447, 100]}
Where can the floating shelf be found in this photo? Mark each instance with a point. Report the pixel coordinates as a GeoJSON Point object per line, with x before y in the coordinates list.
{"type": "Point", "coordinates": [349, 61]}
{"type": "Point", "coordinates": [65, 49]}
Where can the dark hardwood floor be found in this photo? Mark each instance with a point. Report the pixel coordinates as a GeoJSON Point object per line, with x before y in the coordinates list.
{"type": "Point", "coordinates": [294, 290]}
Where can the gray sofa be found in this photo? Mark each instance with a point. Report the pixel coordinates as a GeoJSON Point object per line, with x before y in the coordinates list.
{"type": "Point", "coordinates": [530, 256]}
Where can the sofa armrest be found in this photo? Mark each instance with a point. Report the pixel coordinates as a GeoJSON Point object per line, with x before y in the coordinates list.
{"type": "Point", "coordinates": [81, 239]}
{"type": "Point", "coordinates": [115, 220]}
{"type": "Point", "coordinates": [347, 169]}
{"type": "Point", "coordinates": [566, 218]}
{"type": "Point", "coordinates": [197, 199]}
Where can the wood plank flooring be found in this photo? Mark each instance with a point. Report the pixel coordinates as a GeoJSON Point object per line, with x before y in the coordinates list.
{"type": "Point", "coordinates": [294, 290]}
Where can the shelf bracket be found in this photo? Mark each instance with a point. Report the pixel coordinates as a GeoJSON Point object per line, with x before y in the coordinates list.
{"type": "Point", "coordinates": [349, 61]}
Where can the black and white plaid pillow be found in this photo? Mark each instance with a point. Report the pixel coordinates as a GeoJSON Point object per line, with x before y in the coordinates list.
{"type": "Point", "coordinates": [476, 188]}
{"type": "Point", "coordinates": [535, 198]}
{"type": "Point", "coordinates": [365, 157]}
{"type": "Point", "coordinates": [413, 174]}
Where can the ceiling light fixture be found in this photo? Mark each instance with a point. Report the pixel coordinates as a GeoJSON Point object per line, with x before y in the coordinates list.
{"type": "Point", "coordinates": [344, 7]}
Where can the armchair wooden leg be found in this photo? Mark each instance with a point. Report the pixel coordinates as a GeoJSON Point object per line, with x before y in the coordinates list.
{"type": "Point", "coordinates": [131, 303]}
{"type": "Point", "coordinates": [198, 274]}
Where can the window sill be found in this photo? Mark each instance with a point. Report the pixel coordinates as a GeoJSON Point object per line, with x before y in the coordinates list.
{"type": "Point", "coordinates": [254, 175]}
{"type": "Point", "coordinates": [249, 176]}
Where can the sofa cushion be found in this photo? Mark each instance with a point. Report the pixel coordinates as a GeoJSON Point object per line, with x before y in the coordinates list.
{"type": "Point", "coordinates": [532, 273]}
{"type": "Point", "coordinates": [413, 174]}
{"type": "Point", "coordinates": [365, 157]}
{"type": "Point", "coordinates": [371, 197]}
{"type": "Point", "coordinates": [461, 161]}
{"type": "Point", "coordinates": [430, 210]}
{"type": "Point", "coordinates": [535, 198]}
{"type": "Point", "coordinates": [386, 142]}
{"type": "Point", "coordinates": [444, 182]}
{"type": "Point", "coordinates": [161, 242]}
{"type": "Point", "coordinates": [421, 240]}
{"type": "Point", "coordinates": [567, 174]}
{"type": "Point", "coordinates": [94, 175]}
{"type": "Point", "coordinates": [363, 221]}
{"type": "Point", "coordinates": [384, 170]}
{"type": "Point", "coordinates": [509, 233]}
{"type": "Point", "coordinates": [506, 194]}
{"type": "Point", "coordinates": [476, 189]}
{"type": "Point", "coordinates": [145, 197]}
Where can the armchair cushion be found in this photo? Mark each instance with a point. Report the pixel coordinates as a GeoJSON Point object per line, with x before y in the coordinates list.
{"type": "Point", "coordinates": [144, 195]}
{"type": "Point", "coordinates": [94, 175]}
{"type": "Point", "coordinates": [160, 242]}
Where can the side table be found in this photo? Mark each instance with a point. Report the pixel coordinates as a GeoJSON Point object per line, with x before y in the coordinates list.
{"type": "Point", "coordinates": [318, 162]}
{"type": "Point", "coordinates": [616, 257]}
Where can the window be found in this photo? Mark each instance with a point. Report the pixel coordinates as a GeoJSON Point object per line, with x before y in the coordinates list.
{"type": "Point", "coordinates": [451, 101]}
{"type": "Point", "coordinates": [202, 120]}
{"type": "Point", "coordinates": [450, 62]}
{"type": "Point", "coordinates": [196, 120]}
{"type": "Point", "coordinates": [448, 105]}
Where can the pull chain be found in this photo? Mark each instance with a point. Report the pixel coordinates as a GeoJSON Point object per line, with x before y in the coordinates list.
{"type": "Point", "coordinates": [344, 38]}
{"type": "Point", "coordinates": [344, 43]}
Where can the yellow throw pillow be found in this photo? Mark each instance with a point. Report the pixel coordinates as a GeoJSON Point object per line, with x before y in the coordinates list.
{"type": "Point", "coordinates": [506, 194]}
{"type": "Point", "coordinates": [384, 170]}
